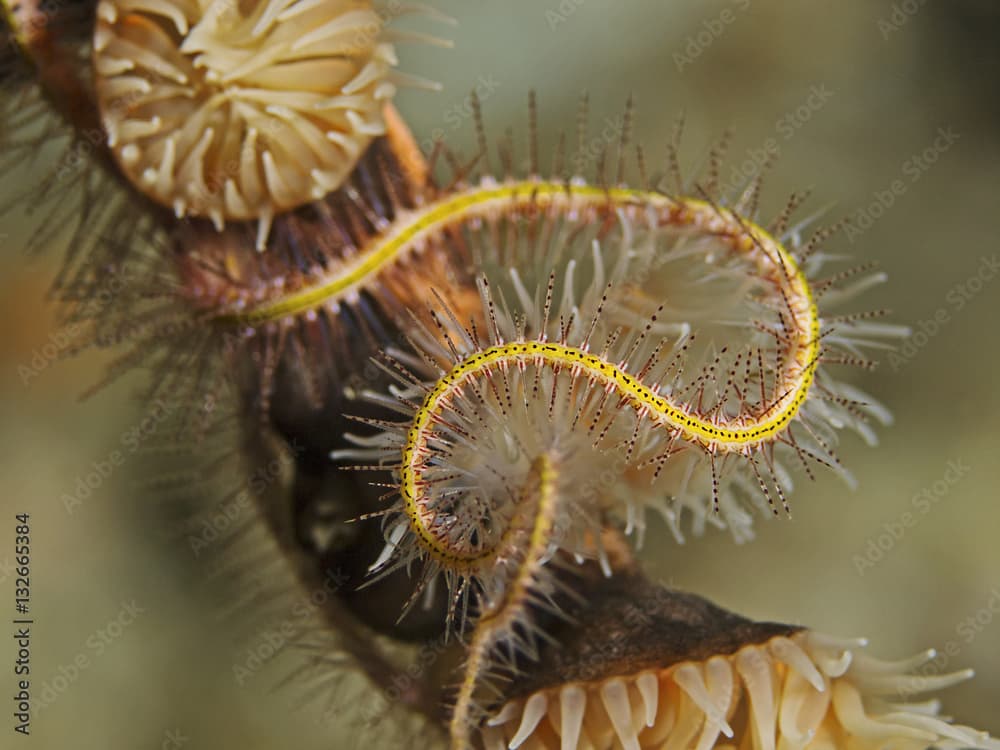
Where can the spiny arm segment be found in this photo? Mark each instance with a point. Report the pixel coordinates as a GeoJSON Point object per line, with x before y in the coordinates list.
{"type": "Point", "coordinates": [412, 228]}
{"type": "Point", "coordinates": [715, 432]}
{"type": "Point", "coordinates": [540, 506]}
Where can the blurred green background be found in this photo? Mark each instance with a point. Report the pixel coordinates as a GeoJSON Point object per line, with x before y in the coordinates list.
{"type": "Point", "coordinates": [855, 95]}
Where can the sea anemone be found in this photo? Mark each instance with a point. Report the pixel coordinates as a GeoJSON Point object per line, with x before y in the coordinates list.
{"type": "Point", "coordinates": [559, 358]}
{"type": "Point", "coordinates": [239, 111]}
{"type": "Point", "coordinates": [675, 671]}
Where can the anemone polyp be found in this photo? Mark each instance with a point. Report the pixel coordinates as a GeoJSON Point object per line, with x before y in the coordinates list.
{"type": "Point", "coordinates": [233, 110]}
{"type": "Point", "coordinates": [802, 691]}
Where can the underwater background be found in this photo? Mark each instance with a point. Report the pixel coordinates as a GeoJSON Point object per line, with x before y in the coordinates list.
{"type": "Point", "coordinates": [888, 111]}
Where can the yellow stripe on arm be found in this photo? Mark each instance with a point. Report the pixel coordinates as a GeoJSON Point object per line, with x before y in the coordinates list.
{"type": "Point", "coordinates": [413, 227]}
{"type": "Point", "coordinates": [542, 501]}
{"type": "Point", "coordinates": [737, 434]}
{"type": "Point", "coordinates": [732, 435]}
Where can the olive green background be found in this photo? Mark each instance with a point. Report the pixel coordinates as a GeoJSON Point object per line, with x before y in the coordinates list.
{"type": "Point", "coordinates": [888, 82]}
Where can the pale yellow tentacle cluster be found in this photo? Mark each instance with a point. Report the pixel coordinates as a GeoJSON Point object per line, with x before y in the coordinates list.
{"type": "Point", "coordinates": [240, 110]}
{"type": "Point", "coordinates": [803, 692]}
